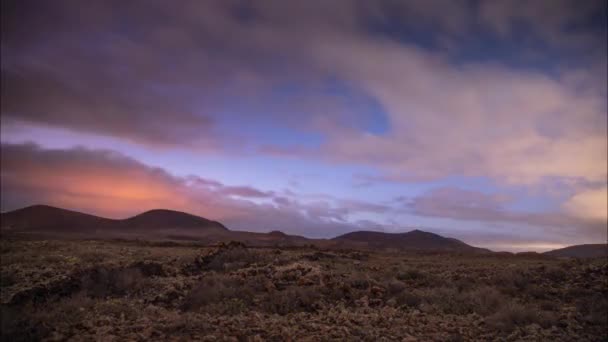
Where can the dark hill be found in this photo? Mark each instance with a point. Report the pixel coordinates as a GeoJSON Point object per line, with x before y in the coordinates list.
{"type": "Point", "coordinates": [413, 240]}
{"type": "Point", "coordinates": [50, 222]}
{"type": "Point", "coordinates": [581, 251]}
{"type": "Point", "coordinates": [163, 218]}
{"type": "Point", "coordinates": [43, 218]}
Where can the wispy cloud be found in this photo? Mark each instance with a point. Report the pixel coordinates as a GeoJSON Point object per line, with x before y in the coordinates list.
{"type": "Point", "coordinates": [110, 183]}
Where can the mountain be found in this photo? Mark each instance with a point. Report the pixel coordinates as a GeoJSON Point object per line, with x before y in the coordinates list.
{"type": "Point", "coordinates": [581, 251]}
{"type": "Point", "coordinates": [43, 218]}
{"type": "Point", "coordinates": [162, 224]}
{"type": "Point", "coordinates": [413, 240]}
{"type": "Point", "coordinates": [42, 221]}
{"type": "Point", "coordinates": [163, 218]}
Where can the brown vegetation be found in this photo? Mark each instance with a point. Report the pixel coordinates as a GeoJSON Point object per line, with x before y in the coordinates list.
{"type": "Point", "coordinates": [56, 290]}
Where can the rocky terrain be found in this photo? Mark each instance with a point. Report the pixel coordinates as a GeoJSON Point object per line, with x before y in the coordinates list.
{"type": "Point", "coordinates": [142, 291]}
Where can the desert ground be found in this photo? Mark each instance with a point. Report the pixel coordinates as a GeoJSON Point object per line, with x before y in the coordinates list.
{"type": "Point", "coordinates": [119, 290]}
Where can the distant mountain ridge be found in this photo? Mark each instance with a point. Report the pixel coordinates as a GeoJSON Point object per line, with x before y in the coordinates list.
{"type": "Point", "coordinates": [581, 251]}
{"type": "Point", "coordinates": [158, 224]}
{"type": "Point", "coordinates": [44, 217]}
{"type": "Point", "coordinates": [412, 240]}
{"type": "Point", "coordinates": [158, 218]}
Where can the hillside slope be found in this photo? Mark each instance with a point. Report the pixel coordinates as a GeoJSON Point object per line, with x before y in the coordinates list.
{"type": "Point", "coordinates": [581, 251]}
{"type": "Point", "coordinates": [43, 218]}
{"type": "Point", "coordinates": [413, 240]}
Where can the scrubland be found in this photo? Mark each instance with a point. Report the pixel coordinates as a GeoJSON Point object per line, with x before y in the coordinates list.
{"type": "Point", "coordinates": [141, 291]}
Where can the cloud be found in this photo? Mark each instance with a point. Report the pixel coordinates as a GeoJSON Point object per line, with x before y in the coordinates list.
{"type": "Point", "coordinates": [169, 75]}
{"type": "Point", "coordinates": [557, 22]}
{"type": "Point", "coordinates": [585, 219]}
{"type": "Point", "coordinates": [476, 120]}
{"type": "Point", "coordinates": [228, 75]}
{"type": "Point", "coordinates": [589, 204]}
{"type": "Point", "coordinates": [109, 183]}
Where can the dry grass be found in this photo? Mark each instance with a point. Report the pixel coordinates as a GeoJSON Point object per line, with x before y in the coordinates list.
{"type": "Point", "coordinates": [158, 291]}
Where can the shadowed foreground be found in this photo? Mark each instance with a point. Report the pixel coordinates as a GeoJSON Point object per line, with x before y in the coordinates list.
{"type": "Point", "coordinates": [118, 290]}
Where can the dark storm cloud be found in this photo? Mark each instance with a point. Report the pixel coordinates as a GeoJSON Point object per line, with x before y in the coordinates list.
{"type": "Point", "coordinates": [160, 73]}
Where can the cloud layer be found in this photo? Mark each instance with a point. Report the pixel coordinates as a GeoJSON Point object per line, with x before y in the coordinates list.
{"type": "Point", "coordinates": [513, 92]}
{"type": "Point", "coordinates": [109, 183]}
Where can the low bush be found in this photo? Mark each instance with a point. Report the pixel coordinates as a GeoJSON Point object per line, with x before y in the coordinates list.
{"type": "Point", "coordinates": [593, 308]}
{"type": "Point", "coordinates": [292, 299]}
{"type": "Point", "coordinates": [409, 299]}
{"type": "Point", "coordinates": [235, 258]}
{"type": "Point", "coordinates": [411, 274]}
{"type": "Point", "coordinates": [486, 300]}
{"type": "Point", "coordinates": [511, 316]}
{"type": "Point", "coordinates": [93, 257]}
{"type": "Point", "coordinates": [555, 273]}
{"type": "Point", "coordinates": [217, 288]}
{"type": "Point", "coordinates": [395, 287]}
{"type": "Point", "coordinates": [512, 281]}
{"type": "Point", "coordinates": [103, 282]}
{"type": "Point", "coordinates": [7, 279]}
{"type": "Point", "coordinates": [117, 308]}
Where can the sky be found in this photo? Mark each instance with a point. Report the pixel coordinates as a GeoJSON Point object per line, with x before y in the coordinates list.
{"type": "Point", "coordinates": [484, 121]}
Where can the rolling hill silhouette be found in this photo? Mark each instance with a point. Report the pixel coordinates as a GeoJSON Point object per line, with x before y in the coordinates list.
{"type": "Point", "coordinates": [163, 218]}
{"type": "Point", "coordinates": [52, 222]}
{"type": "Point", "coordinates": [44, 217]}
{"type": "Point", "coordinates": [159, 224]}
{"type": "Point", "coordinates": [581, 251]}
{"type": "Point", "coordinates": [47, 218]}
{"type": "Point", "coordinates": [413, 240]}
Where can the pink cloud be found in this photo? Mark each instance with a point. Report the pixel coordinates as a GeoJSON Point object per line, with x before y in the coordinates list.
{"type": "Point", "coordinates": [111, 184]}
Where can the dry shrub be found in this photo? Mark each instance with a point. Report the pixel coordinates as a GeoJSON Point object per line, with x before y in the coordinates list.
{"type": "Point", "coordinates": [547, 319]}
{"type": "Point", "coordinates": [548, 305]}
{"type": "Point", "coordinates": [235, 258]}
{"type": "Point", "coordinates": [31, 323]}
{"type": "Point", "coordinates": [7, 279]}
{"type": "Point", "coordinates": [181, 326]}
{"type": "Point", "coordinates": [117, 308]}
{"type": "Point", "coordinates": [217, 288]}
{"type": "Point", "coordinates": [103, 282]}
{"type": "Point", "coordinates": [510, 316]}
{"type": "Point", "coordinates": [512, 281]}
{"type": "Point", "coordinates": [420, 278]}
{"type": "Point", "coordinates": [412, 274]}
{"type": "Point", "coordinates": [464, 284]}
{"type": "Point", "coordinates": [448, 300]}
{"type": "Point", "coordinates": [537, 292]}
{"type": "Point", "coordinates": [292, 299]}
{"type": "Point", "coordinates": [15, 327]}
{"type": "Point", "coordinates": [594, 309]}
{"type": "Point", "coordinates": [150, 268]}
{"type": "Point", "coordinates": [395, 287]}
{"type": "Point", "coordinates": [93, 257]}
{"type": "Point", "coordinates": [359, 282]}
{"type": "Point", "coordinates": [486, 300]}
{"type": "Point", "coordinates": [555, 273]}
{"type": "Point", "coordinates": [340, 293]}
{"type": "Point", "coordinates": [410, 299]}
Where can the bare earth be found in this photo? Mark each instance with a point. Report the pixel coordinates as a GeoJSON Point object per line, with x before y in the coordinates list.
{"type": "Point", "coordinates": [120, 290]}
